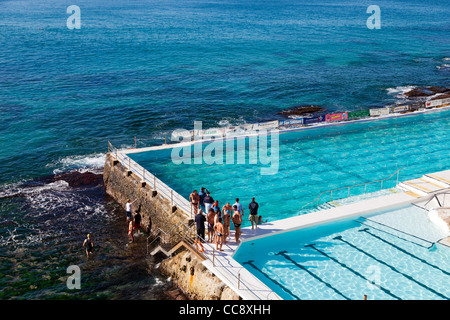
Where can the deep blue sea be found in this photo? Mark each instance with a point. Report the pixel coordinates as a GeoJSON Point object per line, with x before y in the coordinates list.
{"type": "Point", "coordinates": [144, 68]}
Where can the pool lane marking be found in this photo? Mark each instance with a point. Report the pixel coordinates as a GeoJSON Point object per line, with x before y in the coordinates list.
{"type": "Point", "coordinates": [366, 230]}
{"type": "Point", "coordinates": [353, 271]}
{"type": "Point", "coordinates": [284, 254]}
{"type": "Point", "coordinates": [250, 262]}
{"type": "Point", "coordinates": [392, 268]}
{"type": "Point", "coordinates": [394, 235]}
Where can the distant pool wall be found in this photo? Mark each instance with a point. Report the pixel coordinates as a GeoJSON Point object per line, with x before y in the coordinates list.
{"type": "Point", "coordinates": [184, 268]}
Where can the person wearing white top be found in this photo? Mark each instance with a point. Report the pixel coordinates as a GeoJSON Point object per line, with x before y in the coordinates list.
{"type": "Point", "coordinates": [239, 206]}
{"type": "Point", "coordinates": [128, 208]}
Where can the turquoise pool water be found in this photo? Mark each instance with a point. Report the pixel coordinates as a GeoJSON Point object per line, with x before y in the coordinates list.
{"type": "Point", "coordinates": [386, 256]}
{"type": "Point", "coordinates": [317, 160]}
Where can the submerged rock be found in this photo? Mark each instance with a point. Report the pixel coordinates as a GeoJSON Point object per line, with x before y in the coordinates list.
{"type": "Point", "coordinates": [301, 110]}
{"type": "Point", "coordinates": [425, 91]}
{"type": "Point", "coordinates": [80, 179]}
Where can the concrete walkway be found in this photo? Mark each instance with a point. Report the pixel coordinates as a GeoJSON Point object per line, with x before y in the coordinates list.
{"type": "Point", "coordinates": [250, 287]}
{"type": "Point", "coordinates": [245, 283]}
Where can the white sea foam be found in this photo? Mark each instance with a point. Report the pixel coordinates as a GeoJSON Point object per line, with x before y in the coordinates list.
{"type": "Point", "coordinates": [93, 163]}
{"type": "Point", "coordinates": [399, 92]}
{"type": "Point", "coordinates": [224, 123]}
{"type": "Point", "coordinates": [444, 66]}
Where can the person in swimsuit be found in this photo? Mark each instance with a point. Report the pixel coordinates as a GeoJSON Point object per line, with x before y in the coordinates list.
{"type": "Point", "coordinates": [226, 214]}
{"type": "Point", "coordinates": [210, 218]}
{"type": "Point", "coordinates": [237, 221]}
{"type": "Point", "coordinates": [194, 198]}
{"type": "Point", "coordinates": [130, 230]}
{"type": "Point", "coordinates": [216, 221]}
{"type": "Point", "coordinates": [216, 207]}
{"type": "Point", "coordinates": [219, 234]}
{"type": "Point", "coordinates": [89, 245]}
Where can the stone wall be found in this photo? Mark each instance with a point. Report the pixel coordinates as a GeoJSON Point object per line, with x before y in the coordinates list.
{"type": "Point", "coordinates": [156, 211]}
{"type": "Point", "coordinates": [194, 279]}
{"type": "Point", "coordinates": [186, 270]}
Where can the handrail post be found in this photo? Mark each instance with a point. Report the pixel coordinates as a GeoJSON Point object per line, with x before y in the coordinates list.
{"type": "Point", "coordinates": [331, 195]}
{"type": "Point", "coordinates": [348, 195]}
{"type": "Point", "coordinates": [239, 280]}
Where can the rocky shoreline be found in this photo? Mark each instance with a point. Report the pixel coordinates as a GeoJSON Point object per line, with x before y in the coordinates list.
{"type": "Point", "coordinates": [414, 95]}
{"type": "Point", "coordinates": [301, 110]}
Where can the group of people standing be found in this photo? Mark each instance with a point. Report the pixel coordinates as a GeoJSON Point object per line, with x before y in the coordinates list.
{"type": "Point", "coordinates": [219, 219]}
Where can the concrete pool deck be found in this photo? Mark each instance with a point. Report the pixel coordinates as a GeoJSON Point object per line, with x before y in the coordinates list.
{"type": "Point", "coordinates": [249, 287]}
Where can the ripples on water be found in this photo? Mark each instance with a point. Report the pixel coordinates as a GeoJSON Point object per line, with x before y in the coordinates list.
{"type": "Point", "coordinates": [42, 228]}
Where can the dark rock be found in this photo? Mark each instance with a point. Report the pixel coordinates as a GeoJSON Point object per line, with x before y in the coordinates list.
{"type": "Point", "coordinates": [80, 179]}
{"type": "Point", "coordinates": [425, 91]}
{"type": "Point", "coordinates": [441, 96]}
{"type": "Point", "coordinates": [301, 110]}
{"type": "Point", "coordinates": [176, 295]}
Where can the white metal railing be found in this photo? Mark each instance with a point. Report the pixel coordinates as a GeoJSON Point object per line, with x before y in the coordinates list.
{"type": "Point", "coordinates": [164, 190]}
{"type": "Point", "coordinates": [183, 204]}
{"type": "Point", "coordinates": [317, 199]}
{"type": "Point", "coordinates": [209, 252]}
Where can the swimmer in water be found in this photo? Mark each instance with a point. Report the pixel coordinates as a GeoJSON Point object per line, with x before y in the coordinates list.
{"type": "Point", "coordinates": [89, 245]}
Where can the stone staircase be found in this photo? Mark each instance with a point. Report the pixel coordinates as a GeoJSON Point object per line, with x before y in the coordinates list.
{"type": "Point", "coordinates": [168, 249]}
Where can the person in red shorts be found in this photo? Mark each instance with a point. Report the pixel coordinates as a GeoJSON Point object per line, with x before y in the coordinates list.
{"type": "Point", "coordinates": [137, 222]}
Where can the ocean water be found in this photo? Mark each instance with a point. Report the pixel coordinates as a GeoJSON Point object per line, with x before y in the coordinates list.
{"type": "Point", "coordinates": [144, 68]}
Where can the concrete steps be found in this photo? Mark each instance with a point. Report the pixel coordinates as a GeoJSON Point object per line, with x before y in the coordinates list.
{"type": "Point", "coordinates": [168, 250]}
{"type": "Point", "coordinates": [422, 186]}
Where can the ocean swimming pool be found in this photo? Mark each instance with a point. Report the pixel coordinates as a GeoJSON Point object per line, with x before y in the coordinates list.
{"type": "Point", "coordinates": [387, 255]}
{"type": "Point", "coordinates": [314, 161]}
